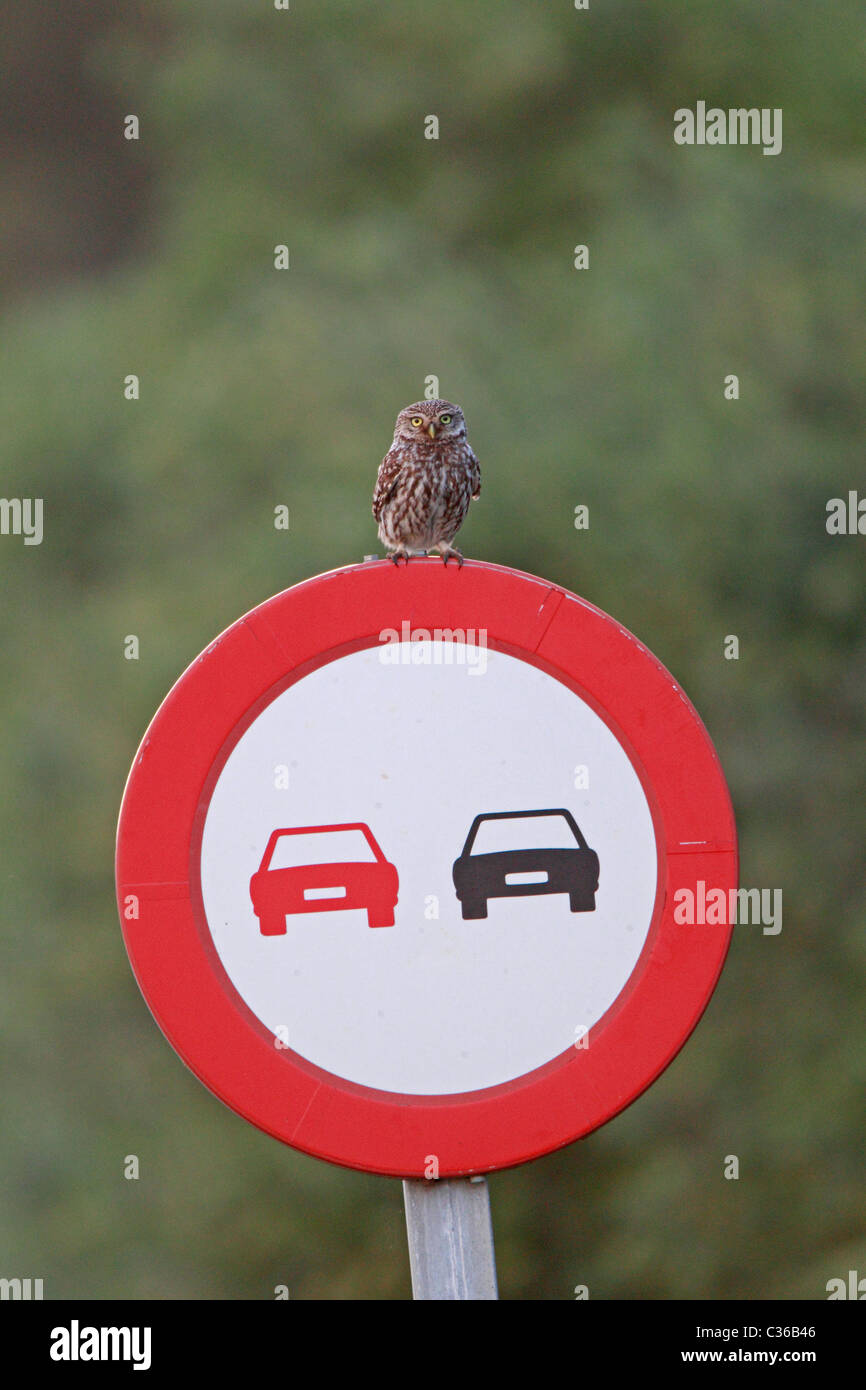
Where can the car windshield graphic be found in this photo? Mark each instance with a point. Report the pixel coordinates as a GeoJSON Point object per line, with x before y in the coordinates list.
{"type": "Point", "coordinates": [321, 847]}
{"type": "Point", "coordinates": [529, 832]}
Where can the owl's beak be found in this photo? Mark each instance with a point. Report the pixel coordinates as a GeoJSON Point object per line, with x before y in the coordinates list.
{"type": "Point", "coordinates": [431, 430]}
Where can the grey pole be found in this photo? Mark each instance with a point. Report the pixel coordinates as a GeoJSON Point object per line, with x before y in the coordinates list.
{"type": "Point", "coordinates": [450, 1238]}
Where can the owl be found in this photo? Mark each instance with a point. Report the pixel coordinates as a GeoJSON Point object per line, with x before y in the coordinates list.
{"type": "Point", "coordinates": [426, 481]}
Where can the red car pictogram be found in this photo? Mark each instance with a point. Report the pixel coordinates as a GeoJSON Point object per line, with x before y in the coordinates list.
{"type": "Point", "coordinates": [344, 869]}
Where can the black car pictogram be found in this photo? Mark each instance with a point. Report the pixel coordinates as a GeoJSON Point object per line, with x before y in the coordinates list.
{"type": "Point", "coordinates": [568, 865]}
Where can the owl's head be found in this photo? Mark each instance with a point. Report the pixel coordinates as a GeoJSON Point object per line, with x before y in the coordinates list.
{"type": "Point", "coordinates": [430, 421]}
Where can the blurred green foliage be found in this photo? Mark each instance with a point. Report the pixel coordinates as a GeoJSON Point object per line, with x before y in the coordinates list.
{"type": "Point", "coordinates": [603, 387]}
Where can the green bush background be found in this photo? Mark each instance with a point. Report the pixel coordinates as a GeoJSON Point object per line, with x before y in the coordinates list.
{"type": "Point", "coordinates": [603, 387]}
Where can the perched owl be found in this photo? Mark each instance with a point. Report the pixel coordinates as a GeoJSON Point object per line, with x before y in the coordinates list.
{"type": "Point", "coordinates": [426, 481]}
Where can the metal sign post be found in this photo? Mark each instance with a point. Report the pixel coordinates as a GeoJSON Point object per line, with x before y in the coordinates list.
{"type": "Point", "coordinates": [450, 1238]}
{"type": "Point", "coordinates": [398, 867]}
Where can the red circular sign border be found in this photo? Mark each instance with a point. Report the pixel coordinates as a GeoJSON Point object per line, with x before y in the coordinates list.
{"type": "Point", "coordinates": [198, 1008]}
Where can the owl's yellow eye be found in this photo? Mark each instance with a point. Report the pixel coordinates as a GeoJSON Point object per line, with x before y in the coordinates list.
{"type": "Point", "coordinates": [445, 419]}
{"type": "Point", "coordinates": [417, 421]}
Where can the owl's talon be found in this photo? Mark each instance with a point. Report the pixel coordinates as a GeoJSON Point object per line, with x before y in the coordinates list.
{"type": "Point", "coordinates": [452, 554]}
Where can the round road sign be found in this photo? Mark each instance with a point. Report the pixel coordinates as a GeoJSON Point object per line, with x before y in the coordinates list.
{"type": "Point", "coordinates": [398, 865]}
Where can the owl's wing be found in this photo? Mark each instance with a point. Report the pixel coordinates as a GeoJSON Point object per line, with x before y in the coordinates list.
{"type": "Point", "coordinates": [389, 474]}
{"type": "Point", "coordinates": [474, 475]}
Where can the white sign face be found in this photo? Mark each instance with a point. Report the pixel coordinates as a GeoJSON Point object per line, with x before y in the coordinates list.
{"type": "Point", "coordinates": [364, 782]}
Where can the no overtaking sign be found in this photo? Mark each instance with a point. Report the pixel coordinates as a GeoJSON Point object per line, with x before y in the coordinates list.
{"type": "Point", "coordinates": [396, 865]}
